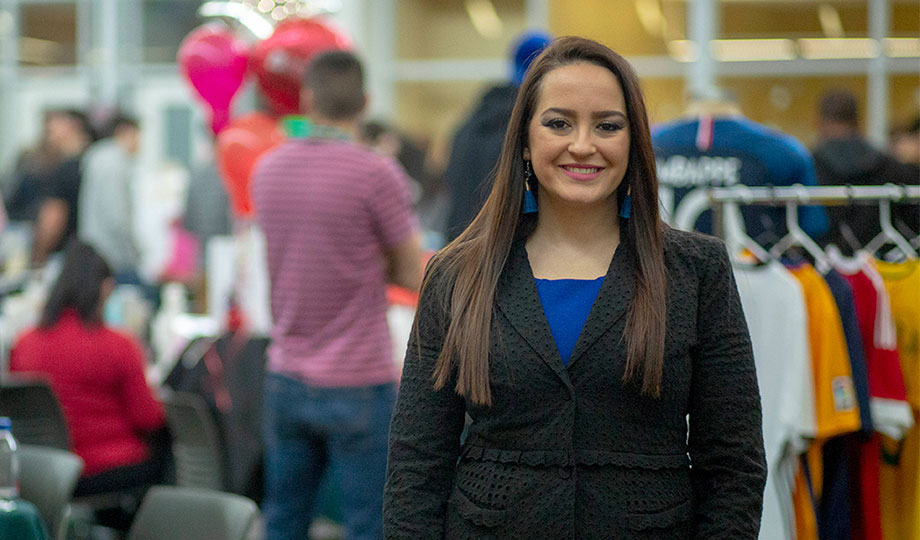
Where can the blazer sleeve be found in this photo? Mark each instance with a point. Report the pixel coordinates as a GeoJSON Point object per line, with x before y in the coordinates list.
{"type": "Point", "coordinates": [726, 438]}
{"type": "Point", "coordinates": [425, 432]}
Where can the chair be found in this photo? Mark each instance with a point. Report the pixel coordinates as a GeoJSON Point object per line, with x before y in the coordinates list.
{"type": "Point", "coordinates": [36, 414]}
{"type": "Point", "coordinates": [197, 448]}
{"type": "Point", "coordinates": [178, 513]}
{"type": "Point", "coordinates": [47, 477]}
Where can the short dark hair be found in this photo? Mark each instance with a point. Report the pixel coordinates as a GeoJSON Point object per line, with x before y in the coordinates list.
{"type": "Point", "coordinates": [79, 286]}
{"type": "Point", "coordinates": [78, 117]}
{"type": "Point", "coordinates": [337, 81]}
{"type": "Point", "coordinates": [913, 128]}
{"type": "Point", "coordinates": [120, 121]}
{"type": "Point", "coordinates": [840, 105]}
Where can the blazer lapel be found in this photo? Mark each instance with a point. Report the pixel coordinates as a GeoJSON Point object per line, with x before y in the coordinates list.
{"type": "Point", "coordinates": [518, 300]}
{"type": "Point", "coordinates": [613, 299]}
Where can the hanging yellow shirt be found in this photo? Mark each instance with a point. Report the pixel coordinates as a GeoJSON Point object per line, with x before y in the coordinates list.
{"type": "Point", "coordinates": [836, 410]}
{"type": "Point", "coordinates": [899, 480]}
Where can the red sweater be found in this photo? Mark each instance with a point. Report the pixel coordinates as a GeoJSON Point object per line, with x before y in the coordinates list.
{"type": "Point", "coordinates": [98, 376]}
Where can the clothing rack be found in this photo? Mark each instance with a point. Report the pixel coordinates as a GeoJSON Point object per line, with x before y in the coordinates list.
{"type": "Point", "coordinates": [804, 195]}
{"type": "Point", "coordinates": [779, 196]}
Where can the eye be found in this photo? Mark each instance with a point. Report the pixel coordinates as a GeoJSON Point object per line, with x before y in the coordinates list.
{"type": "Point", "coordinates": [555, 124]}
{"type": "Point", "coordinates": [610, 127]}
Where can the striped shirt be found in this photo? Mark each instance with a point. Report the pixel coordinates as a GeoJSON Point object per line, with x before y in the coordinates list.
{"type": "Point", "coordinates": [329, 209]}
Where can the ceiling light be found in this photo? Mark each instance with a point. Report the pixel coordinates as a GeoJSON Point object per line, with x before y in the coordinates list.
{"type": "Point", "coordinates": [902, 47]}
{"type": "Point", "coordinates": [244, 13]}
{"type": "Point", "coordinates": [683, 50]}
{"type": "Point", "coordinates": [838, 48]}
{"type": "Point", "coordinates": [484, 18]}
{"type": "Point", "coordinates": [747, 50]}
{"type": "Point", "coordinates": [649, 12]}
{"type": "Point", "coordinates": [830, 21]}
{"type": "Point", "coordinates": [266, 6]}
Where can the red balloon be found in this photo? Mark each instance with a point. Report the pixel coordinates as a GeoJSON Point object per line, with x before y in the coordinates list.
{"type": "Point", "coordinates": [279, 62]}
{"type": "Point", "coordinates": [239, 147]}
{"type": "Point", "coordinates": [214, 61]}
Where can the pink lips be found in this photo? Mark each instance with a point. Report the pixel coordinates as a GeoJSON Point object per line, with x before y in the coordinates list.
{"type": "Point", "coordinates": [582, 173]}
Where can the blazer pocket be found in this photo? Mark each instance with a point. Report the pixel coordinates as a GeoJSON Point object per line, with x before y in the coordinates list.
{"type": "Point", "coordinates": [467, 509]}
{"type": "Point", "coordinates": [660, 520]}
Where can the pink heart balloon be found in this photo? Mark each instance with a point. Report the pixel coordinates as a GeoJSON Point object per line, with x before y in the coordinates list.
{"type": "Point", "coordinates": [214, 61]}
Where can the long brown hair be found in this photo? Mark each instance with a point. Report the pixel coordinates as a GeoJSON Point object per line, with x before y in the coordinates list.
{"type": "Point", "coordinates": [476, 258]}
{"type": "Point", "coordinates": [78, 287]}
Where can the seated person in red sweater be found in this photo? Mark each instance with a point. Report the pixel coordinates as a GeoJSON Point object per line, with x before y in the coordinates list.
{"type": "Point", "coordinates": [116, 424]}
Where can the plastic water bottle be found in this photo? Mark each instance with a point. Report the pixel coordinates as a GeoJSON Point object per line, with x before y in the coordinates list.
{"type": "Point", "coordinates": [9, 462]}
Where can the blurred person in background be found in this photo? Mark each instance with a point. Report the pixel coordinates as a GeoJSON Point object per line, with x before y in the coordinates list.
{"type": "Point", "coordinates": [431, 197]}
{"type": "Point", "coordinates": [207, 206]}
{"type": "Point", "coordinates": [714, 145]}
{"type": "Point", "coordinates": [69, 132]}
{"type": "Point", "coordinates": [106, 202]}
{"type": "Point", "coordinates": [206, 215]}
{"type": "Point", "coordinates": [905, 142]}
{"type": "Point", "coordinates": [905, 147]}
{"type": "Point", "coordinates": [29, 177]}
{"type": "Point", "coordinates": [338, 225]}
{"type": "Point", "coordinates": [116, 425]}
{"type": "Point", "coordinates": [478, 141]}
{"type": "Point", "coordinates": [844, 157]}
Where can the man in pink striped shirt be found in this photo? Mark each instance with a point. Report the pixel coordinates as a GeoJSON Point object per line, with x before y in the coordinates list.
{"type": "Point", "coordinates": [339, 226]}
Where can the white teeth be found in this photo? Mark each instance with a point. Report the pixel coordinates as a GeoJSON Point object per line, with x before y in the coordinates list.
{"type": "Point", "coordinates": [583, 170]}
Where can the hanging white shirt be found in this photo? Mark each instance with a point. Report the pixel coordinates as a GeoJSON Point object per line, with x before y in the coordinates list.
{"type": "Point", "coordinates": [774, 307]}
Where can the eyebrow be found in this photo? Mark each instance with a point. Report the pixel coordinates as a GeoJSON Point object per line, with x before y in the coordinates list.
{"type": "Point", "coordinates": [596, 114]}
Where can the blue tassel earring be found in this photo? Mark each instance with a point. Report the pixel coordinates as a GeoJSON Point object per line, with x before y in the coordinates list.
{"type": "Point", "coordinates": [625, 208]}
{"type": "Point", "coordinates": [530, 202]}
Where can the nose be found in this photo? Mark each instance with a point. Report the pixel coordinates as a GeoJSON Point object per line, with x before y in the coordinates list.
{"type": "Point", "coordinates": [582, 144]}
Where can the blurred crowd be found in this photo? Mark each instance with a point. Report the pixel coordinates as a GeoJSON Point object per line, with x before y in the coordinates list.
{"type": "Point", "coordinates": [80, 178]}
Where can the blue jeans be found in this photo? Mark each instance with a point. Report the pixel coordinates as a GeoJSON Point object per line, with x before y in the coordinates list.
{"type": "Point", "coordinates": [308, 428]}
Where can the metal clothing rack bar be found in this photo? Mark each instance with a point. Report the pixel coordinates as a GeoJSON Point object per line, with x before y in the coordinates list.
{"type": "Point", "coordinates": [779, 196]}
{"type": "Point", "coordinates": [800, 194]}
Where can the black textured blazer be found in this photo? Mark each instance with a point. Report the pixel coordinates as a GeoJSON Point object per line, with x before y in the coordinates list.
{"type": "Point", "coordinates": [572, 452]}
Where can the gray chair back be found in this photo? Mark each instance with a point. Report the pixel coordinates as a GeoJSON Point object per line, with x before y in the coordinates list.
{"type": "Point", "coordinates": [47, 477]}
{"type": "Point", "coordinates": [196, 444]}
{"type": "Point", "coordinates": [178, 513]}
{"type": "Point", "coordinates": [35, 412]}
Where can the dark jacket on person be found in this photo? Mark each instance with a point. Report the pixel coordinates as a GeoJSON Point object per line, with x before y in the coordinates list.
{"type": "Point", "coordinates": [853, 161]}
{"type": "Point", "coordinates": [474, 155]}
{"type": "Point", "coordinates": [573, 452]}
{"type": "Point", "coordinates": [31, 181]}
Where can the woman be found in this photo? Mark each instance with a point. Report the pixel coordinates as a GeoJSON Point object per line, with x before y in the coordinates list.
{"type": "Point", "coordinates": [579, 420]}
{"type": "Point", "coordinates": [116, 424]}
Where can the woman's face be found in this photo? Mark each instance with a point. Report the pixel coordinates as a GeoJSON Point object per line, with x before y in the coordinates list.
{"type": "Point", "coordinates": [578, 138]}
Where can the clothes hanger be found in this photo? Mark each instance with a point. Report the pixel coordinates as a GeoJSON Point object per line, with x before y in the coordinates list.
{"type": "Point", "coordinates": [798, 237]}
{"type": "Point", "coordinates": [846, 232]}
{"type": "Point", "coordinates": [889, 233]}
{"type": "Point", "coordinates": [907, 233]}
{"type": "Point", "coordinates": [736, 238]}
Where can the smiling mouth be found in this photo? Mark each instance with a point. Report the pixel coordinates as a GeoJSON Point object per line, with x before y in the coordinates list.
{"type": "Point", "coordinates": [582, 170]}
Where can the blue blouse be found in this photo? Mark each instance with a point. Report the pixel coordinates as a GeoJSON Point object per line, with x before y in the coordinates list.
{"type": "Point", "coordinates": [566, 304]}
